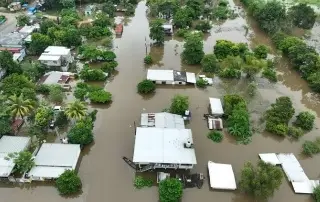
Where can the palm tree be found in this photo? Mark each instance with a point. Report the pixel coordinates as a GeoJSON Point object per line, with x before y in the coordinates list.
{"type": "Point", "coordinates": [19, 106]}
{"type": "Point", "coordinates": [76, 110]}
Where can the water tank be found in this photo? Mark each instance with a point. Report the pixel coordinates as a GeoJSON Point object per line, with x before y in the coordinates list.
{"type": "Point", "coordinates": [187, 112]}
{"type": "Point", "coordinates": [188, 144]}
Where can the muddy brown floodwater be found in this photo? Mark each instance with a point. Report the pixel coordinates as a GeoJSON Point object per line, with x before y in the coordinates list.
{"type": "Point", "coordinates": [105, 176]}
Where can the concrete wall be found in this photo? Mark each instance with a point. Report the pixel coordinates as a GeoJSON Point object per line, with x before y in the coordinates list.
{"type": "Point", "coordinates": [171, 82]}
{"type": "Point", "coordinates": [55, 63]}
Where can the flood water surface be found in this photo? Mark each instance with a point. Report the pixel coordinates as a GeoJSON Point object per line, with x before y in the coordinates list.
{"type": "Point", "coordinates": [107, 178]}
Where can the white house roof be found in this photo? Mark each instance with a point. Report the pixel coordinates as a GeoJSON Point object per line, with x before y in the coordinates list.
{"type": "Point", "coordinates": [54, 77]}
{"type": "Point", "coordinates": [44, 57]}
{"type": "Point", "coordinates": [160, 75]}
{"type": "Point", "coordinates": [270, 158]}
{"type": "Point", "coordinates": [221, 176]}
{"type": "Point", "coordinates": [58, 155]}
{"type": "Point", "coordinates": [162, 120]}
{"type": "Point", "coordinates": [56, 50]}
{"type": "Point", "coordinates": [305, 187]}
{"type": "Point", "coordinates": [47, 172]}
{"type": "Point", "coordinates": [216, 106]}
{"type": "Point", "coordinates": [163, 145]}
{"type": "Point", "coordinates": [29, 29]}
{"type": "Point", "coordinates": [10, 144]}
{"type": "Point", "coordinates": [191, 77]}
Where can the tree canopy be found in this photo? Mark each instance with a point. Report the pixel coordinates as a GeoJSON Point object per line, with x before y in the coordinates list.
{"type": "Point", "coordinates": [76, 110]}
{"type": "Point", "coordinates": [302, 16]}
{"type": "Point", "coordinates": [81, 132]}
{"type": "Point", "coordinates": [157, 31]}
{"type": "Point", "coordinates": [146, 86]}
{"type": "Point", "coordinates": [24, 161]}
{"type": "Point", "coordinates": [179, 104]}
{"type": "Point", "coordinates": [170, 190]}
{"type": "Point", "coordinates": [209, 63]}
{"type": "Point", "coordinates": [193, 49]}
{"type": "Point", "coordinates": [68, 183]}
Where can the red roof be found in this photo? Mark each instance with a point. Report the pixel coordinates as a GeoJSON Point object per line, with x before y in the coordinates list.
{"type": "Point", "coordinates": [64, 79]}
{"type": "Point", "coordinates": [119, 29]}
{"type": "Point", "coordinates": [11, 50]}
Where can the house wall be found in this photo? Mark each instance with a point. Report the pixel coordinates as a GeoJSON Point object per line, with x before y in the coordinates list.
{"type": "Point", "coordinates": [69, 58]}
{"type": "Point", "coordinates": [171, 82]}
{"type": "Point", "coordinates": [52, 63]}
{"type": "Point", "coordinates": [168, 166]}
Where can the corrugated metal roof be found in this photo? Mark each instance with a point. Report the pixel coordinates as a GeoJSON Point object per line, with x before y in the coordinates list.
{"type": "Point", "coordinates": [162, 120]}
{"type": "Point", "coordinates": [216, 106]}
{"type": "Point", "coordinates": [45, 57]}
{"type": "Point", "coordinates": [163, 145]}
{"type": "Point", "coordinates": [58, 155]}
{"type": "Point", "coordinates": [221, 176]}
{"type": "Point", "coordinates": [47, 172]}
{"type": "Point", "coordinates": [292, 168]}
{"type": "Point", "coordinates": [10, 144]}
{"type": "Point", "coordinates": [160, 75]}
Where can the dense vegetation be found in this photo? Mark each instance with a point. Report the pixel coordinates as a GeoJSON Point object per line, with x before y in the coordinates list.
{"type": "Point", "coordinates": [140, 182]}
{"type": "Point", "coordinates": [310, 148]}
{"type": "Point", "coordinates": [68, 183]}
{"type": "Point", "coordinates": [170, 190]}
{"type": "Point", "coordinates": [215, 136]}
{"type": "Point", "coordinates": [146, 87]}
{"type": "Point", "coordinates": [179, 104]}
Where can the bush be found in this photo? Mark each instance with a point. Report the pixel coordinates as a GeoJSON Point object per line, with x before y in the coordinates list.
{"type": "Point", "coordinates": [295, 132]}
{"type": "Point", "coordinates": [43, 89]}
{"type": "Point", "coordinates": [109, 67]}
{"type": "Point", "coordinates": [148, 60]}
{"type": "Point", "coordinates": [179, 104]}
{"type": "Point", "coordinates": [80, 93]}
{"type": "Point", "coordinates": [270, 74]}
{"type": "Point", "coordinates": [252, 89]}
{"type": "Point", "coordinates": [209, 63]}
{"type": "Point", "coordinates": [56, 94]}
{"type": "Point", "coordinates": [316, 194]}
{"type": "Point", "coordinates": [221, 12]}
{"type": "Point", "coordinates": [224, 48]}
{"type": "Point", "coordinates": [230, 73]}
{"type": "Point", "coordinates": [182, 32]}
{"type": "Point", "coordinates": [68, 183]}
{"type": "Point", "coordinates": [305, 120]}
{"type": "Point", "coordinates": [310, 148]}
{"type": "Point", "coordinates": [140, 182]}
{"type": "Point", "coordinates": [88, 74]}
{"type": "Point", "coordinates": [82, 85]}
{"type": "Point", "coordinates": [231, 101]}
{"type": "Point", "coordinates": [261, 51]}
{"type": "Point", "coordinates": [81, 133]}
{"type": "Point", "coordinates": [170, 190]}
{"type": "Point", "coordinates": [201, 83]}
{"type": "Point", "coordinates": [100, 96]}
{"type": "Point", "coordinates": [203, 26]}
{"type": "Point", "coordinates": [146, 87]}
{"type": "Point", "coordinates": [215, 136]}
{"type": "Point", "coordinates": [23, 160]}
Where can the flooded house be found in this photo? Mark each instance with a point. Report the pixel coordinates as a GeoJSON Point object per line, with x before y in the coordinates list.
{"type": "Point", "coordinates": [56, 77]}
{"type": "Point", "coordinates": [57, 56]}
{"type": "Point", "coordinates": [11, 144]}
{"type": "Point", "coordinates": [53, 159]}
{"type": "Point", "coordinates": [162, 120]}
{"type": "Point", "coordinates": [215, 113]}
{"type": "Point", "coordinates": [166, 148]}
{"type": "Point", "coordinates": [171, 77]}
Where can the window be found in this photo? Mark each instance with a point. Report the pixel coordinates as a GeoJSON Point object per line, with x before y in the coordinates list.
{"type": "Point", "coordinates": [154, 82]}
{"type": "Point", "coordinates": [180, 83]}
{"type": "Point", "coordinates": [163, 82]}
{"type": "Point", "coordinates": [54, 62]}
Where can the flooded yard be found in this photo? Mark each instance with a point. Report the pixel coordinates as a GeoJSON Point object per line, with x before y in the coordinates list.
{"type": "Point", "coordinates": [107, 178]}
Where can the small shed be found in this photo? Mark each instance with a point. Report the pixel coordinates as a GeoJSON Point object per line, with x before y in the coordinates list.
{"type": "Point", "coordinates": [160, 76]}
{"type": "Point", "coordinates": [216, 107]}
{"type": "Point", "coordinates": [215, 123]}
{"type": "Point", "coordinates": [221, 176]}
{"type": "Point", "coordinates": [168, 29]}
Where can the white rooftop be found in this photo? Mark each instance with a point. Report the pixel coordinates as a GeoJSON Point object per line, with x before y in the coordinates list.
{"type": "Point", "coordinates": [216, 106]}
{"type": "Point", "coordinates": [29, 29]}
{"type": "Point", "coordinates": [270, 158]}
{"type": "Point", "coordinates": [44, 57]}
{"type": "Point", "coordinates": [160, 75]}
{"type": "Point", "coordinates": [56, 50]}
{"type": "Point", "coordinates": [221, 176]}
{"type": "Point", "coordinates": [191, 77]}
{"type": "Point", "coordinates": [54, 77]}
{"type": "Point", "coordinates": [162, 120]}
{"type": "Point", "coordinates": [163, 145]}
{"type": "Point", "coordinates": [305, 187]}
{"type": "Point", "coordinates": [10, 144]}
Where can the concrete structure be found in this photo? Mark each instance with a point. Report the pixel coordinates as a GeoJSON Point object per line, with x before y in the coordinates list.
{"type": "Point", "coordinates": [57, 56]}
{"type": "Point", "coordinates": [10, 144]}
{"type": "Point", "coordinates": [12, 40]}
{"type": "Point", "coordinates": [216, 107]}
{"type": "Point", "coordinates": [171, 77]}
{"type": "Point", "coordinates": [168, 148]}
{"type": "Point", "coordinates": [162, 120]}
{"type": "Point", "coordinates": [293, 170]}
{"type": "Point", "coordinates": [215, 123]}
{"type": "Point", "coordinates": [18, 53]}
{"type": "Point", "coordinates": [55, 77]}
{"type": "Point", "coordinates": [221, 176]}
{"type": "Point", "coordinates": [29, 29]}
{"type": "Point", "coordinates": [53, 159]}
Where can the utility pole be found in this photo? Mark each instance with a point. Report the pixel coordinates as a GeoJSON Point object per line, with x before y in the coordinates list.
{"type": "Point", "coordinates": [145, 43]}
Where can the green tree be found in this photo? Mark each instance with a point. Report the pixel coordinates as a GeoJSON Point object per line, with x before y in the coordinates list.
{"type": "Point", "coordinates": [102, 20]}
{"type": "Point", "coordinates": [19, 106]}
{"type": "Point", "coordinates": [295, 132]}
{"type": "Point", "coordinates": [157, 31]}
{"type": "Point", "coordinates": [109, 8]}
{"type": "Point", "coordinates": [5, 124]}
{"type": "Point", "coordinates": [33, 70]}
{"type": "Point", "coordinates": [81, 132]}
{"type": "Point", "coordinates": [209, 63]}
{"type": "Point", "coordinates": [203, 26]}
{"type": "Point", "coordinates": [224, 48]}
{"type": "Point", "coordinates": [100, 96]}
{"type": "Point", "coordinates": [261, 51]}
{"type": "Point", "coordinates": [310, 148]}
{"type": "Point", "coordinates": [305, 120]}
{"type": "Point", "coordinates": [302, 16]}
{"type": "Point", "coordinates": [179, 104]}
{"type": "Point", "coordinates": [39, 43]}
{"type": "Point", "coordinates": [68, 183]}
{"type": "Point", "coordinates": [23, 20]}
{"type": "Point", "coordinates": [193, 49]}
{"type": "Point", "coordinates": [76, 110]}
{"type": "Point", "coordinates": [68, 3]}
{"type": "Point", "coordinates": [44, 115]}
{"type": "Point", "coordinates": [24, 161]}
{"type": "Point", "coordinates": [88, 74]}
{"type": "Point", "coordinates": [316, 194]}
{"type": "Point", "coordinates": [183, 18]}
{"type": "Point", "coordinates": [196, 6]}
{"type": "Point", "coordinates": [56, 94]}
{"type": "Point", "coordinates": [314, 81]}
{"type": "Point", "coordinates": [80, 93]}
{"type": "Point", "coordinates": [35, 132]}
{"type": "Point", "coordinates": [201, 83]}
{"type": "Point", "coordinates": [170, 190]}
{"type": "Point", "coordinates": [146, 87]}
{"type": "Point", "coordinates": [261, 181]}
{"type": "Point", "coordinates": [8, 65]}
{"type": "Point", "coordinates": [61, 119]}
{"type": "Point", "coordinates": [252, 66]}
{"type": "Point", "coordinates": [14, 83]}
{"type": "Point", "coordinates": [46, 24]}
{"type": "Point", "coordinates": [215, 136]}
{"type": "Point", "coordinates": [148, 60]}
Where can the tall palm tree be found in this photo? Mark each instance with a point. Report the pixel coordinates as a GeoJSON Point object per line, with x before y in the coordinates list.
{"type": "Point", "coordinates": [19, 106]}
{"type": "Point", "coordinates": [76, 110]}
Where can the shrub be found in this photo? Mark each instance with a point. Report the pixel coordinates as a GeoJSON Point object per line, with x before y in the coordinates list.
{"type": "Point", "coordinates": [231, 101]}
{"type": "Point", "coordinates": [140, 182]}
{"type": "Point", "coordinates": [148, 60]}
{"type": "Point", "coordinates": [230, 73]}
{"type": "Point", "coordinates": [68, 183]}
{"type": "Point", "coordinates": [261, 51]}
{"type": "Point", "coordinates": [146, 87]}
{"type": "Point", "coordinates": [82, 85]}
{"type": "Point", "coordinates": [56, 94]}
{"type": "Point", "coordinates": [179, 104]}
{"type": "Point", "coordinates": [215, 136]}
{"type": "Point", "coordinates": [23, 160]}
{"type": "Point", "coordinates": [100, 96]}
{"type": "Point", "coordinates": [203, 26]}
{"type": "Point", "coordinates": [80, 93]}
{"type": "Point", "coordinates": [270, 74]}
{"type": "Point", "coordinates": [88, 74]}
{"type": "Point", "coordinates": [223, 48]}
{"type": "Point", "coordinates": [252, 88]}
{"type": "Point", "coordinates": [221, 12]}
{"type": "Point", "coordinates": [295, 132]}
{"type": "Point", "coordinates": [305, 120]}
{"type": "Point", "coordinates": [316, 194]}
{"type": "Point", "coordinates": [310, 148]}
{"type": "Point", "coordinates": [209, 63]}
{"type": "Point", "coordinates": [43, 89]}
{"type": "Point", "coordinates": [201, 83]}
{"type": "Point", "coordinates": [182, 32]}
{"type": "Point", "coordinates": [81, 132]}
{"type": "Point", "coordinates": [109, 67]}
{"type": "Point", "coordinates": [170, 190]}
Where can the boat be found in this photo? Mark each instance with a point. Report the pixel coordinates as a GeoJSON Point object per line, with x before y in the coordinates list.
{"type": "Point", "coordinates": [119, 29]}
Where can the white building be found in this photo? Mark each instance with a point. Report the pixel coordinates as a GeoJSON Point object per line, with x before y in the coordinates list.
{"type": "Point", "coordinates": [53, 159]}
{"type": "Point", "coordinates": [168, 29]}
{"type": "Point", "coordinates": [216, 107]}
{"type": "Point", "coordinates": [221, 176]}
{"type": "Point", "coordinates": [170, 148]}
{"type": "Point", "coordinates": [55, 77]}
{"type": "Point", "coordinates": [10, 144]}
{"type": "Point", "coordinates": [171, 77]}
{"type": "Point", "coordinates": [57, 56]}
{"type": "Point", "coordinates": [29, 29]}
{"type": "Point", "coordinates": [162, 120]}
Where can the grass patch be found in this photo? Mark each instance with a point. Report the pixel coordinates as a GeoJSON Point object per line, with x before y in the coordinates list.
{"type": "Point", "coordinates": [215, 136]}
{"type": "Point", "coordinates": [140, 182]}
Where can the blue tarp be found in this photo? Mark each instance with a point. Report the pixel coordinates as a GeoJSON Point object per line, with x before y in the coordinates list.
{"type": "Point", "coordinates": [32, 9]}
